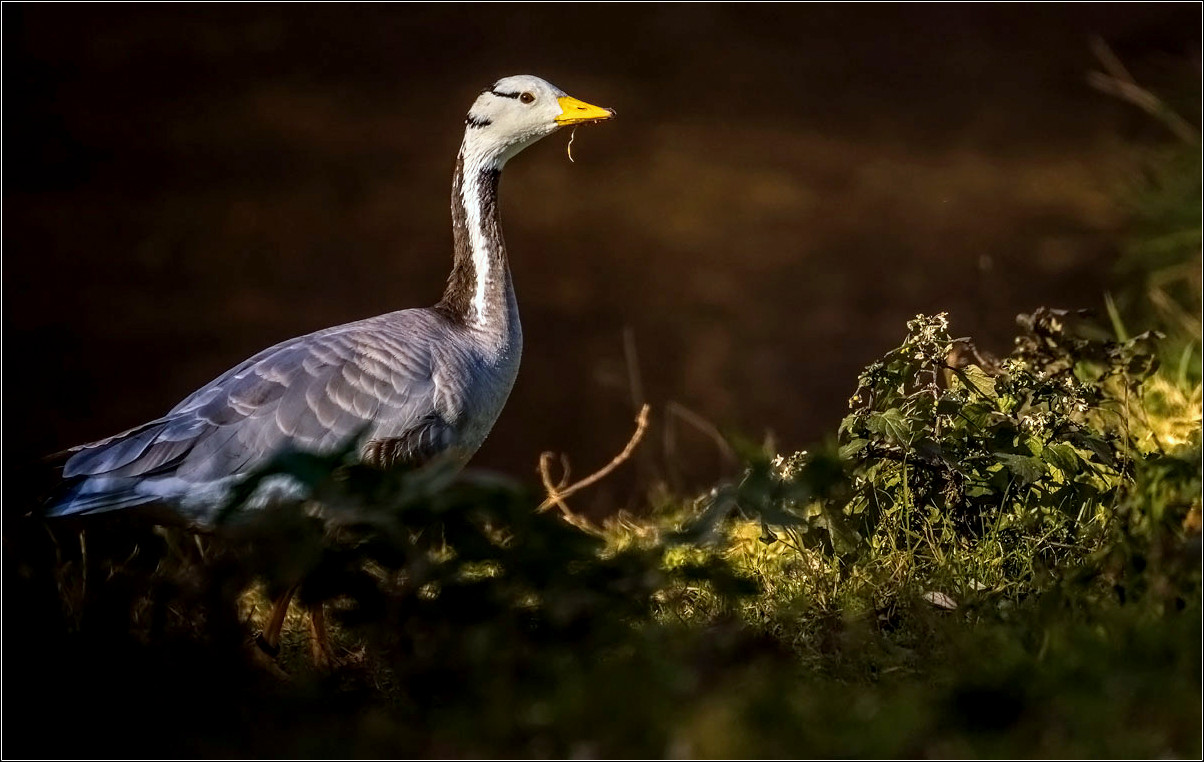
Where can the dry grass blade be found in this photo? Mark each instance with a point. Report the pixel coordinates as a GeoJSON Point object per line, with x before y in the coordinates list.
{"type": "Point", "coordinates": [677, 410]}
{"type": "Point", "coordinates": [1118, 82]}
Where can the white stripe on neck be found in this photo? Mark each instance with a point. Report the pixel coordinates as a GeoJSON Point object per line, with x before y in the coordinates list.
{"type": "Point", "coordinates": [482, 259]}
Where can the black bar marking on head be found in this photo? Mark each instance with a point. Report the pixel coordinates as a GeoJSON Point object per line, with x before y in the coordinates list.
{"type": "Point", "coordinates": [503, 95]}
{"type": "Point", "coordinates": [477, 121]}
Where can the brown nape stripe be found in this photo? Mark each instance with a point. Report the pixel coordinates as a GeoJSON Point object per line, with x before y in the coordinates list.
{"type": "Point", "coordinates": [456, 303]}
{"type": "Point", "coordinates": [502, 95]}
{"type": "Point", "coordinates": [477, 121]}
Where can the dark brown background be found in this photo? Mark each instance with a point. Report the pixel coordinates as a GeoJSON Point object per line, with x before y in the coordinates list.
{"type": "Point", "coordinates": [785, 186]}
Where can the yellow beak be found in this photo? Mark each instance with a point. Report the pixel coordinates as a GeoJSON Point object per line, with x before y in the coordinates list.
{"type": "Point", "coordinates": [573, 111]}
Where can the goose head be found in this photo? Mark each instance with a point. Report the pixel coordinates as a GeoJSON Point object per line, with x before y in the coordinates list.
{"type": "Point", "coordinates": [517, 111]}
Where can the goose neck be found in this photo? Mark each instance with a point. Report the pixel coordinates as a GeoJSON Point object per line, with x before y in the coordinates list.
{"type": "Point", "coordinates": [479, 291]}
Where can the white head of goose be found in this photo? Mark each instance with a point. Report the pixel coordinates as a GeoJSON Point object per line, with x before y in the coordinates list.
{"type": "Point", "coordinates": [416, 383]}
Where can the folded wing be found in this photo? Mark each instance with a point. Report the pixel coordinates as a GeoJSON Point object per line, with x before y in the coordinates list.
{"type": "Point", "coordinates": [310, 393]}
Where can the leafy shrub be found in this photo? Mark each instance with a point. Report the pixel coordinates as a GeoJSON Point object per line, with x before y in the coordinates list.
{"type": "Point", "coordinates": [962, 482]}
{"type": "Point", "coordinates": [965, 473]}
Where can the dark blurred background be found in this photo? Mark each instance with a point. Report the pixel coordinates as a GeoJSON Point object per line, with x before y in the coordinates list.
{"type": "Point", "coordinates": [785, 186]}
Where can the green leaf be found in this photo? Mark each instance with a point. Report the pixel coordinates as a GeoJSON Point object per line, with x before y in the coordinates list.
{"type": "Point", "coordinates": [932, 452]}
{"type": "Point", "coordinates": [1063, 457]}
{"type": "Point", "coordinates": [948, 405]}
{"type": "Point", "coordinates": [891, 424]}
{"type": "Point", "coordinates": [1024, 467]}
{"type": "Point", "coordinates": [851, 449]}
{"type": "Point", "coordinates": [1098, 446]}
{"type": "Point", "coordinates": [979, 413]}
{"type": "Point", "coordinates": [977, 379]}
{"type": "Point", "coordinates": [843, 537]}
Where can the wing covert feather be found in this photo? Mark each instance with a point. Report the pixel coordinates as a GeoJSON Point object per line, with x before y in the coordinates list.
{"type": "Point", "coordinates": [309, 393]}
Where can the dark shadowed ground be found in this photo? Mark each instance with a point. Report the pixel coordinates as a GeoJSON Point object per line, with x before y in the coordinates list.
{"type": "Point", "coordinates": [785, 186]}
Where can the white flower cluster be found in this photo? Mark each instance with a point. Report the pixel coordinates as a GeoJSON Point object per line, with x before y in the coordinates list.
{"type": "Point", "coordinates": [1034, 423]}
{"type": "Point", "coordinates": [786, 466]}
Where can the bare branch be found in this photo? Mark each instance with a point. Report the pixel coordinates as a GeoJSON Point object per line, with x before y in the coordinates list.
{"type": "Point", "coordinates": [557, 493]}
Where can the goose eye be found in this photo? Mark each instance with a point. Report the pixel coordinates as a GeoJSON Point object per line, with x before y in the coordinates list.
{"type": "Point", "coordinates": [526, 97]}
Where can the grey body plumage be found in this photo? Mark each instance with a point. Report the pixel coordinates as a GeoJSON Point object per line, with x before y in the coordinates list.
{"type": "Point", "coordinates": [414, 384]}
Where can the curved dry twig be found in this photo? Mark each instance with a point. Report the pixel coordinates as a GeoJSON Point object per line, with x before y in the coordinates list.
{"type": "Point", "coordinates": [558, 492]}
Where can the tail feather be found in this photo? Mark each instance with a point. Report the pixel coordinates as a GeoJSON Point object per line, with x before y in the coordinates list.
{"type": "Point", "coordinates": [114, 473]}
{"type": "Point", "coordinates": [110, 454]}
{"type": "Point", "coordinates": [98, 495]}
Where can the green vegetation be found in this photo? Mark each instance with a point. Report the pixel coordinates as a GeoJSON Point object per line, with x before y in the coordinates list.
{"type": "Point", "coordinates": [995, 558]}
{"type": "Point", "coordinates": [991, 557]}
{"type": "Point", "coordinates": [982, 558]}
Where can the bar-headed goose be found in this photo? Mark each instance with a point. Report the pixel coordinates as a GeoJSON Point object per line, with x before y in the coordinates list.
{"type": "Point", "coordinates": [419, 383]}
